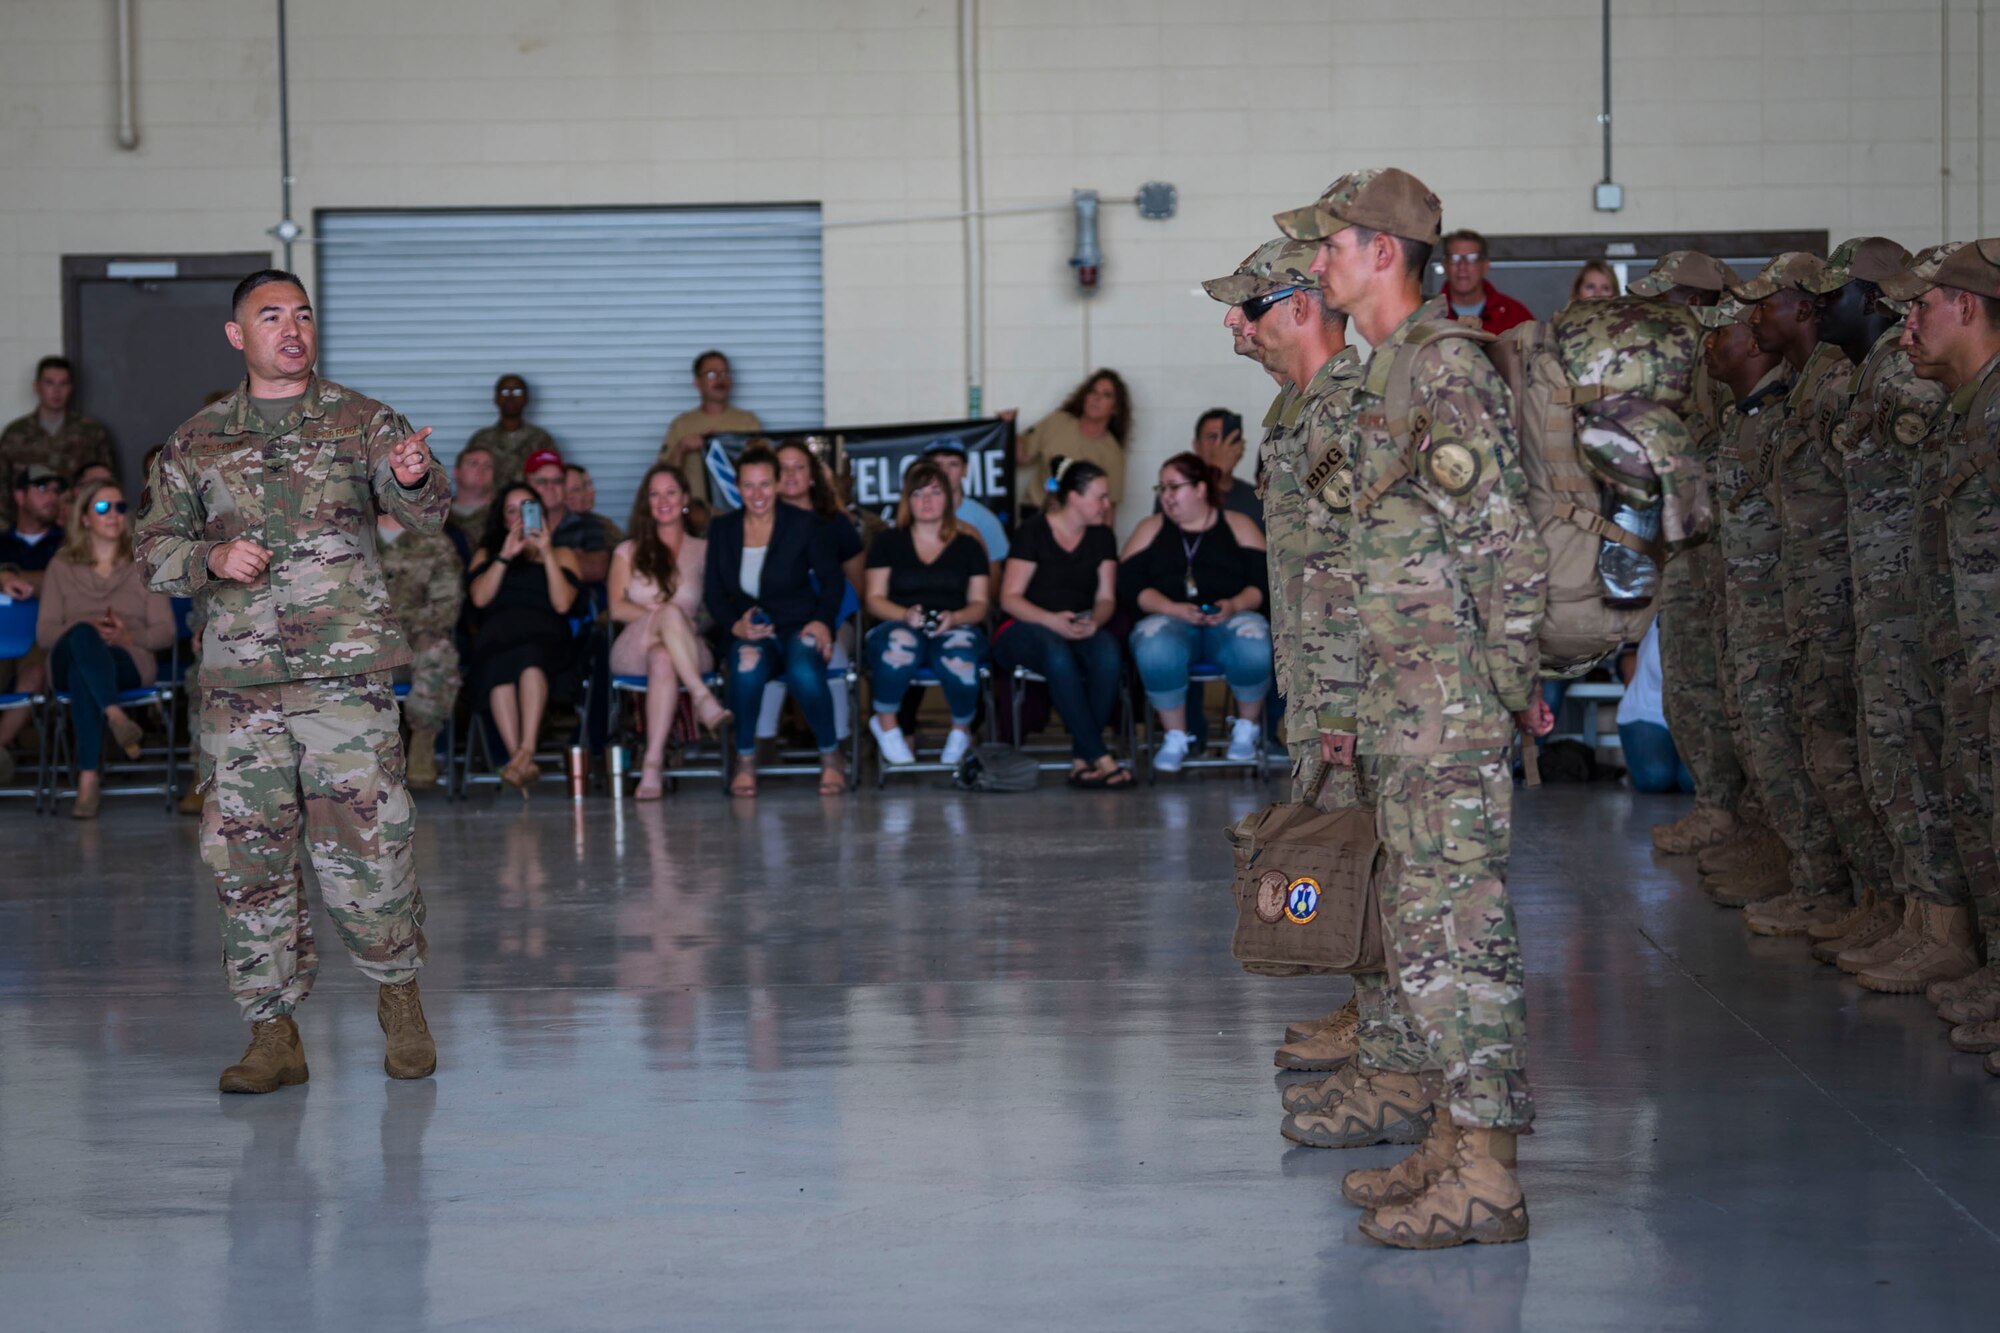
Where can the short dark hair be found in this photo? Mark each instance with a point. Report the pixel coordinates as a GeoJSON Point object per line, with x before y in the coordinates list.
{"type": "Point", "coordinates": [518, 379]}
{"type": "Point", "coordinates": [1069, 477]}
{"type": "Point", "coordinates": [705, 355]}
{"type": "Point", "coordinates": [1466, 234]}
{"type": "Point", "coordinates": [54, 363]}
{"type": "Point", "coordinates": [578, 470]}
{"type": "Point", "coordinates": [1416, 254]}
{"type": "Point", "coordinates": [472, 449]}
{"type": "Point", "coordinates": [263, 277]}
{"type": "Point", "coordinates": [1213, 414]}
{"type": "Point", "coordinates": [757, 453]}
{"type": "Point", "coordinates": [1991, 305]}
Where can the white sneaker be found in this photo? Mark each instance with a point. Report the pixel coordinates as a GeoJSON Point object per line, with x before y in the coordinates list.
{"type": "Point", "coordinates": [955, 747]}
{"type": "Point", "coordinates": [1173, 751]}
{"type": "Point", "coordinates": [890, 739]}
{"type": "Point", "coordinates": [1244, 738]}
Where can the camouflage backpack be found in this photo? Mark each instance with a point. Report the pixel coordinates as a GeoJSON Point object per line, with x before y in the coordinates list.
{"type": "Point", "coordinates": [1598, 395]}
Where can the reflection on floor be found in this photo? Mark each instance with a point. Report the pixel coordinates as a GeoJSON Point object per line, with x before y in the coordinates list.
{"type": "Point", "coordinates": [932, 1061]}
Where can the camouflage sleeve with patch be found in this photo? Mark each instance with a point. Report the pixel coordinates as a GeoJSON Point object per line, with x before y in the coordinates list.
{"type": "Point", "coordinates": [421, 508]}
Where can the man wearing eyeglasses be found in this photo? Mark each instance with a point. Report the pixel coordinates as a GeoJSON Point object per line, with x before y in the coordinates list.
{"type": "Point", "coordinates": [55, 434]}
{"type": "Point", "coordinates": [512, 438]}
{"type": "Point", "coordinates": [263, 507]}
{"type": "Point", "coordinates": [714, 415]}
{"type": "Point", "coordinates": [1472, 298]}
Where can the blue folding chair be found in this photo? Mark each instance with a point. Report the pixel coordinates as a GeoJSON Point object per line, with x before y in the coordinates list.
{"type": "Point", "coordinates": [17, 639]}
{"type": "Point", "coordinates": [57, 753]}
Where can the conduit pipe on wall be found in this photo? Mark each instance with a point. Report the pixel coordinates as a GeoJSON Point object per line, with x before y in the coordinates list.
{"type": "Point", "coordinates": [128, 120]}
{"type": "Point", "coordinates": [972, 195]}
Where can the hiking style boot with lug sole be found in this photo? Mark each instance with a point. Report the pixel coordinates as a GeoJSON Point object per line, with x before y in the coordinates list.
{"type": "Point", "coordinates": [1329, 1048]}
{"type": "Point", "coordinates": [1752, 885]}
{"type": "Point", "coordinates": [1382, 1186]}
{"type": "Point", "coordinates": [1381, 1108]}
{"type": "Point", "coordinates": [411, 1053]}
{"type": "Point", "coordinates": [1821, 931]}
{"type": "Point", "coordinates": [421, 773]}
{"type": "Point", "coordinates": [274, 1059]}
{"type": "Point", "coordinates": [1882, 924]}
{"type": "Point", "coordinates": [1973, 998]}
{"type": "Point", "coordinates": [1792, 914]}
{"type": "Point", "coordinates": [1320, 1093]}
{"type": "Point", "coordinates": [1751, 841]}
{"type": "Point", "coordinates": [1475, 1200]}
{"type": "Point", "coordinates": [1976, 1038]}
{"type": "Point", "coordinates": [1300, 1031]}
{"type": "Point", "coordinates": [1703, 827]}
{"type": "Point", "coordinates": [1942, 950]}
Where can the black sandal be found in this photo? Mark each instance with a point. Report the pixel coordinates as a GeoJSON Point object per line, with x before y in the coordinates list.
{"type": "Point", "coordinates": [1118, 779]}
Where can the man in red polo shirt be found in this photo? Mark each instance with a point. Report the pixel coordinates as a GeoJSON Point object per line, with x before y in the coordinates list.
{"type": "Point", "coordinates": [1473, 299]}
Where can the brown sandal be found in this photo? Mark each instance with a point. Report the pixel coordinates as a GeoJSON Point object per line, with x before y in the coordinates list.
{"type": "Point", "coordinates": [745, 781]}
{"type": "Point", "coordinates": [712, 716]}
{"type": "Point", "coordinates": [832, 781]}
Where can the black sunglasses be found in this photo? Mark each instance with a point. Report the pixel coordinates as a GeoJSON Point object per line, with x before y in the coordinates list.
{"type": "Point", "coordinates": [106, 506]}
{"type": "Point", "coordinates": [1257, 307]}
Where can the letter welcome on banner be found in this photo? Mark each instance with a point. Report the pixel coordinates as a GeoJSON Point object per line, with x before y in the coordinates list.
{"type": "Point", "coordinates": [875, 458]}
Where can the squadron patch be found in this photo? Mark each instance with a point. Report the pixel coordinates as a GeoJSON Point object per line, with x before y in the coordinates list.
{"type": "Point", "coordinates": [1338, 491]}
{"type": "Point", "coordinates": [1302, 900]}
{"type": "Point", "coordinates": [1453, 468]}
{"type": "Point", "coordinates": [1910, 427]}
{"type": "Point", "coordinates": [1271, 888]}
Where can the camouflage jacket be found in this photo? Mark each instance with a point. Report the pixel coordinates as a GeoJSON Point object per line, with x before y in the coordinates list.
{"type": "Point", "coordinates": [75, 445]}
{"type": "Point", "coordinates": [1315, 636]}
{"type": "Point", "coordinates": [1879, 442]}
{"type": "Point", "coordinates": [1810, 490]}
{"type": "Point", "coordinates": [510, 449]}
{"type": "Point", "coordinates": [308, 492]}
{"type": "Point", "coordinates": [1451, 568]}
{"type": "Point", "coordinates": [426, 584]}
{"type": "Point", "coordinates": [1970, 501]}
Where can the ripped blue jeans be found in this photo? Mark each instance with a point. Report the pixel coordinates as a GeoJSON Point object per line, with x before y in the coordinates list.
{"type": "Point", "coordinates": [896, 653]}
{"type": "Point", "coordinates": [1165, 647]}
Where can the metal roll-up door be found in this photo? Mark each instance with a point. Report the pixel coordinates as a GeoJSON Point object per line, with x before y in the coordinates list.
{"type": "Point", "coordinates": [602, 311]}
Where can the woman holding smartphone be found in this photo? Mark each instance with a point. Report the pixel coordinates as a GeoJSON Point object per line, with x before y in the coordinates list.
{"type": "Point", "coordinates": [523, 588]}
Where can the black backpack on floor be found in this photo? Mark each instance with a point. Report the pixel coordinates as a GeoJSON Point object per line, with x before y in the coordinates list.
{"type": "Point", "coordinates": [997, 768]}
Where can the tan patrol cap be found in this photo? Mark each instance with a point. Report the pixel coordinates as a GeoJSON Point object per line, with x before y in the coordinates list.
{"type": "Point", "coordinates": [1868, 258]}
{"type": "Point", "coordinates": [1271, 267]}
{"type": "Point", "coordinates": [1380, 199]}
{"type": "Point", "coordinates": [1683, 268]}
{"type": "Point", "coordinates": [1723, 313]}
{"type": "Point", "coordinates": [1794, 269]}
{"type": "Point", "coordinates": [1966, 267]}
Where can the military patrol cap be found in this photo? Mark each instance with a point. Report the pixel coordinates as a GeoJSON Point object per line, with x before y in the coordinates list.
{"type": "Point", "coordinates": [1725, 312]}
{"type": "Point", "coordinates": [1966, 267]}
{"type": "Point", "coordinates": [1870, 258]}
{"type": "Point", "coordinates": [1795, 270]}
{"type": "Point", "coordinates": [1271, 267]}
{"type": "Point", "coordinates": [1381, 199]}
{"type": "Point", "coordinates": [1683, 268]}
{"type": "Point", "coordinates": [35, 474]}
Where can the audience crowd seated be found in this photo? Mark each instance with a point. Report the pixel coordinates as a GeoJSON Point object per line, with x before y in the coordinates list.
{"type": "Point", "coordinates": [524, 586]}
{"type": "Point", "coordinates": [1195, 572]}
{"type": "Point", "coordinates": [102, 628]}
{"type": "Point", "coordinates": [25, 551]}
{"type": "Point", "coordinates": [580, 534]}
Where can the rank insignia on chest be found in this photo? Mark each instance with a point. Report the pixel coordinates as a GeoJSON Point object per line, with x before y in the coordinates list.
{"type": "Point", "coordinates": [1452, 467]}
{"type": "Point", "coordinates": [1910, 427]}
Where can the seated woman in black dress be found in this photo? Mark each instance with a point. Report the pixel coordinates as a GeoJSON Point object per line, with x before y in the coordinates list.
{"type": "Point", "coordinates": [523, 588]}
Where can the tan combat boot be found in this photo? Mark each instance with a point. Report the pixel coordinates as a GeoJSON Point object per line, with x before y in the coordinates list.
{"type": "Point", "coordinates": [1752, 884]}
{"type": "Point", "coordinates": [191, 800]}
{"type": "Point", "coordinates": [1329, 1048]}
{"type": "Point", "coordinates": [422, 771]}
{"type": "Point", "coordinates": [1908, 926]}
{"type": "Point", "coordinates": [1794, 913]}
{"type": "Point", "coordinates": [1381, 1186]}
{"type": "Point", "coordinates": [1976, 1037]}
{"type": "Point", "coordinates": [400, 1011]}
{"type": "Point", "coordinates": [1380, 1108]}
{"type": "Point", "coordinates": [1321, 1093]}
{"type": "Point", "coordinates": [1846, 923]}
{"type": "Point", "coordinates": [1884, 918]}
{"type": "Point", "coordinates": [1972, 998]}
{"type": "Point", "coordinates": [1475, 1200]}
{"type": "Point", "coordinates": [1300, 1031]}
{"type": "Point", "coordinates": [1941, 950]}
{"type": "Point", "coordinates": [274, 1058]}
{"type": "Point", "coordinates": [1703, 827]}
{"type": "Point", "coordinates": [1751, 841]}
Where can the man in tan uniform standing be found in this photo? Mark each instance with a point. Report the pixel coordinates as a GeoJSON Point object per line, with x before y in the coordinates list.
{"type": "Point", "coordinates": [714, 381]}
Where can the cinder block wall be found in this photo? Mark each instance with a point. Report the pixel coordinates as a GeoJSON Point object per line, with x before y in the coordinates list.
{"type": "Point", "coordinates": [1729, 114]}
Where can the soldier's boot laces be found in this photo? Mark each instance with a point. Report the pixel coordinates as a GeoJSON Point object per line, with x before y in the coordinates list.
{"type": "Point", "coordinates": [1300, 1031]}
{"type": "Point", "coordinates": [1381, 1186]}
{"type": "Point", "coordinates": [275, 1058]}
{"type": "Point", "coordinates": [1753, 884]}
{"type": "Point", "coordinates": [423, 768]}
{"type": "Point", "coordinates": [1794, 913]}
{"type": "Point", "coordinates": [1703, 827]}
{"type": "Point", "coordinates": [1976, 1037]}
{"type": "Point", "coordinates": [1476, 1200]}
{"type": "Point", "coordinates": [1750, 842]}
{"type": "Point", "coordinates": [1940, 949]}
{"type": "Point", "coordinates": [1847, 923]}
{"type": "Point", "coordinates": [1884, 919]}
{"type": "Point", "coordinates": [1329, 1048]}
{"type": "Point", "coordinates": [411, 1052]}
{"type": "Point", "coordinates": [1321, 1093]}
{"type": "Point", "coordinates": [1972, 998]}
{"type": "Point", "coordinates": [1381, 1107]}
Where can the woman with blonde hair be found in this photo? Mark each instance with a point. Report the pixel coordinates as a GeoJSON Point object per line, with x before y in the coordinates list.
{"type": "Point", "coordinates": [1595, 281]}
{"type": "Point", "coordinates": [102, 627]}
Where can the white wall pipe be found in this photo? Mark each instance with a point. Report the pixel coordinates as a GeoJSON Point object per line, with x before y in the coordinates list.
{"type": "Point", "coordinates": [128, 121]}
{"type": "Point", "coordinates": [972, 195]}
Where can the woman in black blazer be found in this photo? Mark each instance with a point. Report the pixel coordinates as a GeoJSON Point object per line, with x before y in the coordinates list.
{"type": "Point", "coordinates": [773, 579]}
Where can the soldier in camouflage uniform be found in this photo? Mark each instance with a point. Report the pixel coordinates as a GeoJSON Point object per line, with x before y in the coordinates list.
{"type": "Point", "coordinates": [510, 440]}
{"type": "Point", "coordinates": [1450, 577]}
{"type": "Point", "coordinates": [55, 435]}
{"type": "Point", "coordinates": [262, 507]}
{"type": "Point", "coordinates": [426, 589]}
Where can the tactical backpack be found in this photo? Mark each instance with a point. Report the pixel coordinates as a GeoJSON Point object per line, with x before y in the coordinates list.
{"type": "Point", "coordinates": [997, 768]}
{"type": "Point", "coordinates": [1598, 394]}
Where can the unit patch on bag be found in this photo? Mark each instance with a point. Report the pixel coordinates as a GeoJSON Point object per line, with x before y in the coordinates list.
{"type": "Point", "coordinates": [1302, 900]}
{"type": "Point", "coordinates": [1271, 888]}
{"type": "Point", "coordinates": [1453, 467]}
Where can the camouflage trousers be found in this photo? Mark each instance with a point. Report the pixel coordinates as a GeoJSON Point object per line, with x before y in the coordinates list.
{"type": "Point", "coordinates": [1387, 1037]}
{"type": "Point", "coordinates": [1829, 728]}
{"type": "Point", "coordinates": [1691, 663]}
{"type": "Point", "coordinates": [1969, 719]}
{"type": "Point", "coordinates": [433, 678]}
{"type": "Point", "coordinates": [312, 766]}
{"type": "Point", "coordinates": [1446, 825]}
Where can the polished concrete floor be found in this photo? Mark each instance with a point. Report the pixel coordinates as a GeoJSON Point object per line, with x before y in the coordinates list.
{"type": "Point", "coordinates": [921, 1060]}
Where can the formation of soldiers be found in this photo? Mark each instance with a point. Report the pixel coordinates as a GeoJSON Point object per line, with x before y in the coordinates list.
{"type": "Point", "coordinates": [1407, 586]}
{"type": "Point", "coordinates": [1831, 658]}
